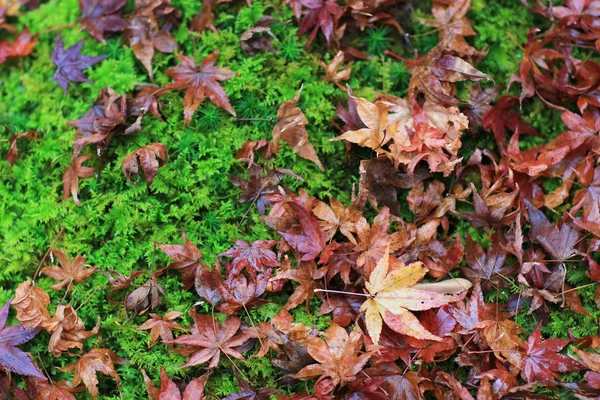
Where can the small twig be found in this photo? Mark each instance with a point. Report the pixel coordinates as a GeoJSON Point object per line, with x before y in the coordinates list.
{"type": "Point", "coordinates": [47, 252]}
{"type": "Point", "coordinates": [58, 28]}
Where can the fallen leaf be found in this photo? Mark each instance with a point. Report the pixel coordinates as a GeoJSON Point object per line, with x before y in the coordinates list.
{"type": "Point", "coordinates": [70, 63]}
{"type": "Point", "coordinates": [69, 272]}
{"type": "Point", "coordinates": [161, 327]}
{"type": "Point", "coordinates": [149, 156]}
{"type": "Point", "coordinates": [93, 362]}
{"type": "Point", "coordinates": [199, 82]}
{"type": "Point", "coordinates": [291, 129]}
{"type": "Point", "coordinates": [11, 358]}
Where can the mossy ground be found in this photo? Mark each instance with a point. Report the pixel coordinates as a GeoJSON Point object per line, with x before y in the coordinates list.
{"type": "Point", "coordinates": [118, 223]}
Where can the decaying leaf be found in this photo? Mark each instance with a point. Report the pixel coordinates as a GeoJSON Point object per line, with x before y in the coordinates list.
{"type": "Point", "coordinates": [93, 362]}
{"type": "Point", "coordinates": [291, 129]}
{"type": "Point", "coordinates": [69, 272]}
{"type": "Point", "coordinates": [148, 156]}
{"type": "Point", "coordinates": [200, 82]}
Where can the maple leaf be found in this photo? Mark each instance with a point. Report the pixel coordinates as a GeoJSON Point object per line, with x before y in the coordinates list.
{"type": "Point", "coordinates": [11, 358]}
{"type": "Point", "coordinates": [101, 16]}
{"type": "Point", "coordinates": [108, 117]}
{"type": "Point", "coordinates": [379, 179]}
{"type": "Point", "coordinates": [169, 391]}
{"type": "Point", "coordinates": [387, 381]}
{"type": "Point", "coordinates": [501, 117]}
{"type": "Point", "coordinates": [440, 323]}
{"type": "Point", "coordinates": [238, 291]}
{"type": "Point", "coordinates": [471, 315]}
{"type": "Point", "coordinates": [248, 392]}
{"type": "Point", "coordinates": [207, 284]}
{"type": "Point", "coordinates": [588, 200]}
{"type": "Point", "coordinates": [306, 275]}
{"type": "Point", "coordinates": [487, 266]}
{"type": "Point", "coordinates": [321, 15]}
{"type": "Point", "coordinates": [338, 357]}
{"type": "Point", "coordinates": [279, 330]}
{"type": "Point", "coordinates": [311, 241]}
{"type": "Point", "coordinates": [200, 82]}
{"type": "Point", "coordinates": [208, 340]}
{"type": "Point", "coordinates": [452, 24]}
{"type": "Point", "coordinates": [374, 240]}
{"type": "Point", "coordinates": [23, 46]}
{"type": "Point", "coordinates": [31, 302]}
{"type": "Point", "coordinates": [69, 271]}
{"type": "Point", "coordinates": [13, 153]}
{"type": "Point", "coordinates": [332, 72]}
{"type": "Point", "coordinates": [204, 19]}
{"type": "Point", "coordinates": [535, 56]}
{"type": "Point", "coordinates": [70, 63]}
{"type": "Point", "coordinates": [291, 129]}
{"type": "Point", "coordinates": [251, 41]}
{"type": "Point", "coordinates": [143, 33]}
{"type": "Point", "coordinates": [161, 327]}
{"type": "Point", "coordinates": [374, 116]}
{"type": "Point", "coordinates": [558, 242]}
{"type": "Point", "coordinates": [187, 260]}
{"type": "Point", "coordinates": [149, 156]}
{"type": "Point", "coordinates": [433, 74]}
{"type": "Point", "coordinates": [542, 358]}
{"type": "Point", "coordinates": [39, 389]}
{"type": "Point", "coordinates": [395, 294]}
{"type": "Point", "coordinates": [255, 258]}
{"type": "Point", "coordinates": [261, 187]}
{"type": "Point", "coordinates": [119, 281]}
{"type": "Point", "coordinates": [71, 177]}
{"type": "Point", "coordinates": [93, 362]}
{"type": "Point", "coordinates": [493, 210]}
{"type": "Point", "coordinates": [68, 330]}
{"type": "Point", "coordinates": [337, 217]}
{"type": "Point", "coordinates": [145, 297]}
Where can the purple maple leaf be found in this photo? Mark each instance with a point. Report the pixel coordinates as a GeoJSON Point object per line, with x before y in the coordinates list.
{"type": "Point", "coordinates": [11, 358]}
{"type": "Point", "coordinates": [70, 63]}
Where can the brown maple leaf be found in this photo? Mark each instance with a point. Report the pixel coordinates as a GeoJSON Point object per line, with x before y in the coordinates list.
{"type": "Point", "coordinates": [332, 70]}
{"type": "Point", "coordinates": [161, 327]}
{"type": "Point", "coordinates": [253, 43]}
{"type": "Point", "coordinates": [254, 259]}
{"type": "Point", "coordinates": [322, 15]}
{"type": "Point", "coordinates": [31, 302]}
{"type": "Point", "coordinates": [374, 240]}
{"type": "Point", "coordinates": [144, 34]}
{"type": "Point", "coordinates": [306, 275]}
{"type": "Point", "coordinates": [71, 177]}
{"type": "Point", "coordinates": [69, 271]}
{"type": "Point", "coordinates": [13, 152]}
{"type": "Point", "coordinates": [200, 82]}
{"type": "Point", "coordinates": [145, 297]}
{"type": "Point", "coordinates": [291, 129]}
{"type": "Point", "coordinates": [170, 391]}
{"type": "Point", "coordinates": [149, 156]}
{"type": "Point", "coordinates": [338, 355]}
{"type": "Point", "coordinates": [208, 339]}
{"type": "Point", "coordinates": [337, 217]}
{"type": "Point", "coordinates": [186, 259]}
{"type": "Point", "coordinates": [87, 366]}
{"type": "Point", "coordinates": [204, 19]}
{"type": "Point", "coordinates": [260, 187]}
{"type": "Point", "coordinates": [68, 330]}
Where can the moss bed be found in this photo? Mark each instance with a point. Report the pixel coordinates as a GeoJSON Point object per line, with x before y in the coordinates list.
{"type": "Point", "coordinates": [118, 223]}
